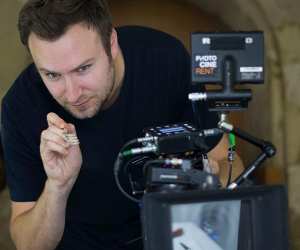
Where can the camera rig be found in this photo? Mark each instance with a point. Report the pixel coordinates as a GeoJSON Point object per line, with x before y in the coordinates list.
{"type": "Point", "coordinates": [174, 156]}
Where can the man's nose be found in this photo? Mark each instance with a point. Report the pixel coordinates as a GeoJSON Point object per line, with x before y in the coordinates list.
{"type": "Point", "coordinates": [73, 90]}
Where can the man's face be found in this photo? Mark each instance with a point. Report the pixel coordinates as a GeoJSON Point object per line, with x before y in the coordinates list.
{"type": "Point", "coordinates": [76, 69]}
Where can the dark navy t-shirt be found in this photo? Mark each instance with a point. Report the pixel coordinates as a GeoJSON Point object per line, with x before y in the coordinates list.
{"type": "Point", "coordinates": [154, 92]}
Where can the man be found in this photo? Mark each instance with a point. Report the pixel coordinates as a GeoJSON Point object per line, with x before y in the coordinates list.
{"type": "Point", "coordinates": [103, 86]}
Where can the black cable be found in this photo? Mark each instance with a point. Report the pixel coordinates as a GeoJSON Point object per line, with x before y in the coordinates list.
{"type": "Point", "coordinates": [231, 152]}
{"type": "Point", "coordinates": [117, 165]}
{"type": "Point", "coordinates": [135, 162]}
{"type": "Point", "coordinates": [229, 174]}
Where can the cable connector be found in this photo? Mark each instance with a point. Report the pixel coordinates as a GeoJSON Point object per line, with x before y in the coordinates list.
{"type": "Point", "coordinates": [136, 151]}
{"type": "Point", "coordinates": [231, 154]}
{"type": "Point", "coordinates": [232, 146]}
{"type": "Point", "coordinates": [147, 139]}
{"type": "Point", "coordinates": [185, 164]}
{"type": "Point", "coordinates": [225, 126]}
{"type": "Point", "coordinates": [197, 96]}
{"type": "Point", "coordinates": [174, 161]}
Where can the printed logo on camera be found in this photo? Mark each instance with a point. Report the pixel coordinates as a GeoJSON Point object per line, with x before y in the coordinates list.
{"type": "Point", "coordinates": [206, 64]}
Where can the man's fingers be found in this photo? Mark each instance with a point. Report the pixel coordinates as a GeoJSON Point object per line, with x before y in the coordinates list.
{"type": "Point", "coordinates": [71, 136]}
{"type": "Point", "coordinates": [50, 146]}
{"type": "Point", "coordinates": [55, 135]}
{"type": "Point", "coordinates": [54, 120]}
{"type": "Point", "coordinates": [59, 131]}
{"type": "Point", "coordinates": [71, 128]}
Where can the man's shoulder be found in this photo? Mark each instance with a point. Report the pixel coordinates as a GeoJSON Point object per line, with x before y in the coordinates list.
{"type": "Point", "coordinates": [27, 94]}
{"type": "Point", "coordinates": [21, 82]}
{"type": "Point", "coordinates": [26, 85]}
{"type": "Point", "coordinates": [146, 37]}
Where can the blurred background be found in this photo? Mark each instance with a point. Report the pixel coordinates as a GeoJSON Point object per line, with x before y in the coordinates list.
{"type": "Point", "coordinates": [273, 113]}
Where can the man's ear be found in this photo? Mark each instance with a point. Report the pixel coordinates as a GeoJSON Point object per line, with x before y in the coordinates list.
{"type": "Point", "coordinates": [114, 45]}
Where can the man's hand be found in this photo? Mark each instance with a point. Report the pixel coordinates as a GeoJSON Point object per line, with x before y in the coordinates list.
{"type": "Point", "coordinates": [61, 160]}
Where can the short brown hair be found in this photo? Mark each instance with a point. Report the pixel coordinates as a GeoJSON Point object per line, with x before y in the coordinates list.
{"type": "Point", "coordinates": [50, 19]}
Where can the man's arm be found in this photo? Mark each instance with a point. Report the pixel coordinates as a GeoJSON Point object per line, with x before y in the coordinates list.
{"type": "Point", "coordinates": [39, 225]}
{"type": "Point", "coordinates": [219, 163]}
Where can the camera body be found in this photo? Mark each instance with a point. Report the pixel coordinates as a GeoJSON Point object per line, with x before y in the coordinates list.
{"type": "Point", "coordinates": [176, 187]}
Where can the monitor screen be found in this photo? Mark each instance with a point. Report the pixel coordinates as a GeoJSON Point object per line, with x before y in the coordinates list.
{"type": "Point", "coordinates": [210, 49]}
{"type": "Point", "coordinates": [209, 225]}
{"type": "Point", "coordinates": [244, 219]}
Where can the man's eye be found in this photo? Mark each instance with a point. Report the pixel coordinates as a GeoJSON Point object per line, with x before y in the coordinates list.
{"type": "Point", "coordinates": [84, 68]}
{"type": "Point", "coordinates": [52, 76]}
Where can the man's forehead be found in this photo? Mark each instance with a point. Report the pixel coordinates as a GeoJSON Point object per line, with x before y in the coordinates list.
{"type": "Point", "coordinates": [77, 35]}
{"type": "Point", "coordinates": [69, 51]}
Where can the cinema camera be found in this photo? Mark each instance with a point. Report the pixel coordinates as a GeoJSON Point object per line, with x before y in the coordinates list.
{"type": "Point", "coordinates": [182, 201]}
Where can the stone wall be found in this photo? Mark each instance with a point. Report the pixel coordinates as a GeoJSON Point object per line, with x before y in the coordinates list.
{"type": "Point", "coordinates": [13, 56]}
{"type": "Point", "coordinates": [289, 38]}
{"type": "Point", "coordinates": [281, 24]}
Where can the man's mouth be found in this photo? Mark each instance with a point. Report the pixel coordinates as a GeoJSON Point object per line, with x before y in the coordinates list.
{"type": "Point", "coordinates": [80, 104]}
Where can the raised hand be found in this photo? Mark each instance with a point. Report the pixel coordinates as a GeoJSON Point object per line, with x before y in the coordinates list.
{"type": "Point", "coordinates": [61, 158]}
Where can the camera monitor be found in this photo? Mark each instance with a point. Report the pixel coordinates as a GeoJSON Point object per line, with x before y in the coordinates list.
{"type": "Point", "coordinates": [209, 51]}
{"type": "Point", "coordinates": [244, 219]}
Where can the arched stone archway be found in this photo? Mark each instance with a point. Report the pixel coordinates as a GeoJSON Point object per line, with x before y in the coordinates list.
{"type": "Point", "coordinates": [268, 100]}
{"type": "Point", "coordinates": [279, 117]}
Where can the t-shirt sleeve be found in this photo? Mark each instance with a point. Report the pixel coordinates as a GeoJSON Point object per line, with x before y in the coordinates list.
{"type": "Point", "coordinates": [24, 171]}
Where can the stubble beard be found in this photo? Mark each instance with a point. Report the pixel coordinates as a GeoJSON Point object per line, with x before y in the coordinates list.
{"type": "Point", "coordinates": [98, 101]}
